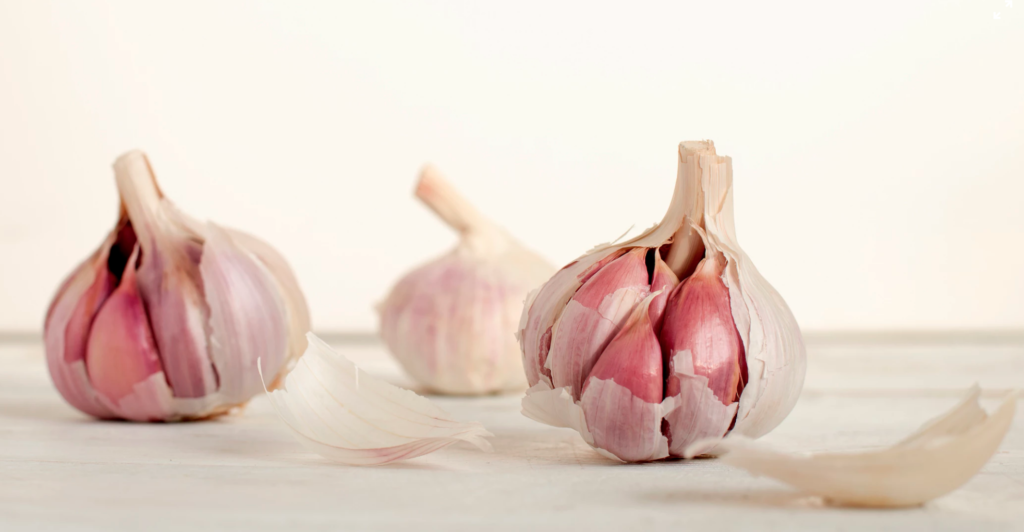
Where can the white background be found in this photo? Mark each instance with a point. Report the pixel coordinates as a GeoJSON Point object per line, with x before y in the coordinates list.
{"type": "Point", "coordinates": [878, 146]}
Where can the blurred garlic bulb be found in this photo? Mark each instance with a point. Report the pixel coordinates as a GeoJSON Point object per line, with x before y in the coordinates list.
{"type": "Point", "coordinates": [451, 322]}
{"type": "Point", "coordinates": [648, 346]}
{"type": "Point", "coordinates": [166, 320]}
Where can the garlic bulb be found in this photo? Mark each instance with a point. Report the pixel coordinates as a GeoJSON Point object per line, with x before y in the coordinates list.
{"type": "Point", "coordinates": [647, 346]}
{"type": "Point", "coordinates": [451, 322]}
{"type": "Point", "coordinates": [166, 320]}
{"type": "Point", "coordinates": [344, 415]}
{"type": "Point", "coordinates": [940, 457]}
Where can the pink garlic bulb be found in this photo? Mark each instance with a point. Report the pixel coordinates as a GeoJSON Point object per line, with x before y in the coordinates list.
{"type": "Point", "coordinates": [451, 323]}
{"type": "Point", "coordinates": [167, 319]}
{"type": "Point", "coordinates": [652, 345]}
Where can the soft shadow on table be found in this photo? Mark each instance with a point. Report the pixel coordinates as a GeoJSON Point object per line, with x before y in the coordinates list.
{"type": "Point", "coordinates": [762, 497]}
{"type": "Point", "coordinates": [41, 409]}
{"type": "Point", "coordinates": [276, 447]}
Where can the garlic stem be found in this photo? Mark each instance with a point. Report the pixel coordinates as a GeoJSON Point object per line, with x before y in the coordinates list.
{"type": "Point", "coordinates": [687, 247]}
{"type": "Point", "coordinates": [140, 194]}
{"type": "Point", "coordinates": [435, 191]}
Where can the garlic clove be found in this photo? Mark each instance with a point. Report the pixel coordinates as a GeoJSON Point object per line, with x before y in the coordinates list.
{"type": "Point", "coordinates": [633, 358]}
{"type": "Point", "coordinates": [68, 321]}
{"type": "Point", "coordinates": [288, 285]}
{"type": "Point", "coordinates": [169, 281]}
{"type": "Point", "coordinates": [622, 397]}
{"type": "Point", "coordinates": [593, 316]}
{"type": "Point", "coordinates": [451, 321]}
{"type": "Point", "coordinates": [121, 350]}
{"type": "Point", "coordinates": [940, 457]}
{"type": "Point", "coordinates": [538, 317]}
{"type": "Point", "coordinates": [248, 320]}
{"type": "Point", "coordinates": [350, 417]}
{"type": "Point", "coordinates": [698, 413]}
{"type": "Point", "coordinates": [698, 320]}
{"type": "Point", "coordinates": [663, 280]}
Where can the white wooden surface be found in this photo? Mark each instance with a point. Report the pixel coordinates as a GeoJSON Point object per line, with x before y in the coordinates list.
{"type": "Point", "coordinates": [60, 470]}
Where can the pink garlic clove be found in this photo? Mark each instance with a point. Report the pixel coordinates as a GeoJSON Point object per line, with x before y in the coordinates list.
{"type": "Point", "coordinates": [68, 321]}
{"type": "Point", "coordinates": [698, 319]}
{"type": "Point", "coordinates": [663, 280]}
{"type": "Point", "coordinates": [633, 358]}
{"type": "Point", "coordinates": [593, 316]}
{"type": "Point", "coordinates": [121, 352]}
{"type": "Point", "coordinates": [621, 399]}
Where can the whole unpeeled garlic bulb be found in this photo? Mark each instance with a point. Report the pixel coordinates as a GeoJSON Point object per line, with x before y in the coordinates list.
{"type": "Point", "coordinates": [648, 346]}
{"type": "Point", "coordinates": [166, 320]}
{"type": "Point", "coordinates": [451, 323]}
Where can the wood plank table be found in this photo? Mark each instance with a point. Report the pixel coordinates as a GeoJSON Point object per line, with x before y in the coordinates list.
{"type": "Point", "coordinates": [60, 470]}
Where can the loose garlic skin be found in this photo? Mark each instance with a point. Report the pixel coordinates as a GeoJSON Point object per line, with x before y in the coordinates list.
{"type": "Point", "coordinates": [167, 319]}
{"type": "Point", "coordinates": [682, 296]}
{"type": "Point", "coordinates": [451, 323]}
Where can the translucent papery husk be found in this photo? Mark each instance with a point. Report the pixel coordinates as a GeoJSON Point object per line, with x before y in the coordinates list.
{"type": "Point", "coordinates": [699, 223]}
{"type": "Point", "coordinates": [451, 322]}
{"type": "Point", "coordinates": [347, 416]}
{"type": "Point", "coordinates": [166, 320]}
{"type": "Point", "coordinates": [937, 459]}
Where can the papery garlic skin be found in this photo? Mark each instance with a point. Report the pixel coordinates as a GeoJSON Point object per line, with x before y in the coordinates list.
{"type": "Point", "coordinates": [166, 320]}
{"type": "Point", "coordinates": [733, 354]}
{"type": "Point", "coordinates": [451, 323]}
{"type": "Point", "coordinates": [347, 416]}
{"type": "Point", "coordinates": [938, 458]}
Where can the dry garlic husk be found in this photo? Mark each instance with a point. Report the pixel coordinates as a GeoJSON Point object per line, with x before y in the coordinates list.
{"type": "Point", "coordinates": [347, 416]}
{"type": "Point", "coordinates": [451, 323]}
{"type": "Point", "coordinates": [937, 459]}
{"type": "Point", "coordinates": [647, 346]}
{"type": "Point", "coordinates": [166, 320]}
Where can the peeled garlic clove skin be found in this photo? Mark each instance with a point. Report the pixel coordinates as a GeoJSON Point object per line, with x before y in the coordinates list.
{"type": "Point", "coordinates": [350, 417]}
{"type": "Point", "coordinates": [593, 316]}
{"type": "Point", "coordinates": [942, 456]}
{"type": "Point", "coordinates": [451, 322]}
{"type": "Point", "coordinates": [172, 332]}
{"type": "Point", "coordinates": [698, 224]}
{"type": "Point", "coordinates": [622, 396]}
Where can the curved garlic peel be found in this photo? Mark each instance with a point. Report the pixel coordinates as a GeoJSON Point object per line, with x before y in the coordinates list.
{"type": "Point", "coordinates": [166, 320]}
{"type": "Point", "coordinates": [450, 322]}
{"type": "Point", "coordinates": [942, 456]}
{"type": "Point", "coordinates": [350, 417]}
{"type": "Point", "coordinates": [567, 322]}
